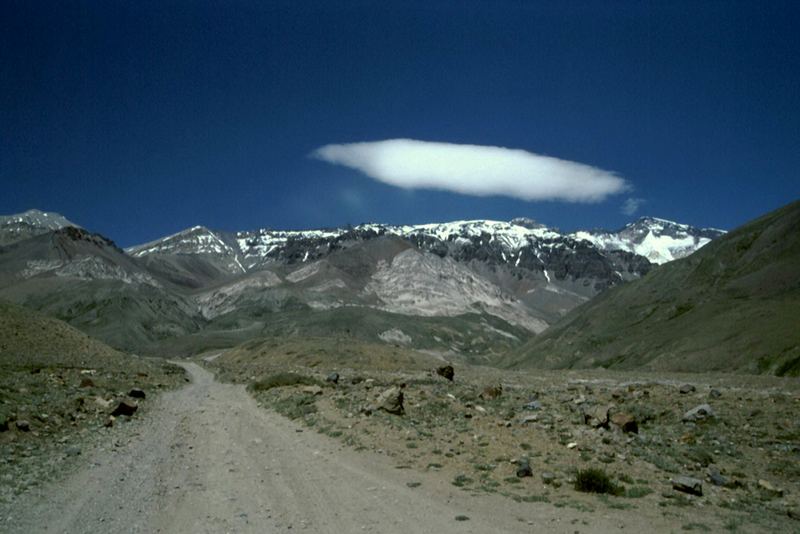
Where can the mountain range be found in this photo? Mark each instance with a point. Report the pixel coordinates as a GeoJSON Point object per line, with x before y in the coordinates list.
{"type": "Point", "coordinates": [464, 288]}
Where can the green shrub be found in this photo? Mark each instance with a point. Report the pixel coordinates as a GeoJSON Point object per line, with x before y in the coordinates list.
{"type": "Point", "coordinates": [595, 480]}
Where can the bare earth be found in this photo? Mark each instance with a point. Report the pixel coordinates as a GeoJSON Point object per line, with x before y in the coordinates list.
{"type": "Point", "coordinates": [209, 459]}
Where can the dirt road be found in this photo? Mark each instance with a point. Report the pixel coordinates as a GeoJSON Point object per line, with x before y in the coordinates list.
{"type": "Point", "coordinates": [208, 459]}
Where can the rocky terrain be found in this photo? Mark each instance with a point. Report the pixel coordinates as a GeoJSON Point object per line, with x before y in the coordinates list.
{"type": "Point", "coordinates": [60, 391]}
{"type": "Point", "coordinates": [703, 452]}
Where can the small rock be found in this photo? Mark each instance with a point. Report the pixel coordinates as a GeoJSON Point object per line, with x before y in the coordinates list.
{"type": "Point", "coordinates": [87, 382]}
{"type": "Point", "coordinates": [579, 400]}
{"type": "Point", "coordinates": [572, 445]}
{"type": "Point", "coordinates": [769, 489]}
{"type": "Point", "coordinates": [596, 416]}
{"type": "Point", "coordinates": [413, 484]}
{"type": "Point", "coordinates": [699, 413]}
{"type": "Point", "coordinates": [312, 390]}
{"type": "Point", "coordinates": [626, 422]}
{"type": "Point", "coordinates": [136, 393]}
{"type": "Point", "coordinates": [333, 378]}
{"type": "Point", "coordinates": [125, 408]}
{"type": "Point", "coordinates": [529, 419]}
{"type": "Point", "coordinates": [102, 403]}
{"type": "Point", "coordinates": [446, 371]}
{"type": "Point", "coordinates": [524, 468]}
{"type": "Point", "coordinates": [715, 393]}
{"type": "Point", "coordinates": [491, 392]}
{"type": "Point", "coordinates": [548, 478]}
{"type": "Point", "coordinates": [716, 478]}
{"type": "Point", "coordinates": [480, 409]}
{"type": "Point", "coordinates": [391, 401]}
{"type": "Point", "coordinates": [73, 451]}
{"type": "Point", "coordinates": [687, 388]}
{"type": "Point", "coordinates": [689, 485]}
{"type": "Point", "coordinates": [23, 426]}
{"type": "Point", "coordinates": [533, 405]}
{"type": "Point", "coordinates": [110, 421]}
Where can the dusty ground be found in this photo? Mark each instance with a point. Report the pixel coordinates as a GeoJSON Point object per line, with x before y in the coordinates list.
{"type": "Point", "coordinates": [474, 443]}
{"type": "Point", "coordinates": [207, 458]}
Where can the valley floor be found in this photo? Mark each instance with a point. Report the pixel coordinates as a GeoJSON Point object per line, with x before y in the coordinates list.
{"type": "Point", "coordinates": [208, 459]}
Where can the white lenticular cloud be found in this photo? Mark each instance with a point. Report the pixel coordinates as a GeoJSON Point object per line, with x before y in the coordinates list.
{"type": "Point", "coordinates": [474, 170]}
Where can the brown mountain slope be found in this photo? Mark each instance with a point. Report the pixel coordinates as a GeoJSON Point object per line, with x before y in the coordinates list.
{"type": "Point", "coordinates": [732, 306]}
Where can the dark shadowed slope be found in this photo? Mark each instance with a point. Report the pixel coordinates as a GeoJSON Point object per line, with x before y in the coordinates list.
{"type": "Point", "coordinates": [732, 306]}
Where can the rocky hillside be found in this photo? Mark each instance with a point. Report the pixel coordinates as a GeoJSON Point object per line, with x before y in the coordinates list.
{"type": "Point", "coordinates": [732, 306]}
{"type": "Point", "coordinates": [59, 389]}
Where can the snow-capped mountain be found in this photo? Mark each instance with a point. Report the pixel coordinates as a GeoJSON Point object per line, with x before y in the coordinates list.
{"type": "Point", "coordinates": [658, 240]}
{"type": "Point", "coordinates": [520, 274]}
{"type": "Point", "coordinates": [31, 223]}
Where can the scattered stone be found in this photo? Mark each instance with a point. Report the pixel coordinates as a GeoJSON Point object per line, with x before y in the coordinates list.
{"type": "Point", "coordinates": [23, 425]}
{"type": "Point", "coordinates": [533, 405]}
{"type": "Point", "coordinates": [333, 378]}
{"type": "Point", "coordinates": [87, 382]}
{"type": "Point", "coordinates": [110, 421]}
{"type": "Point", "coordinates": [446, 371]}
{"type": "Point", "coordinates": [102, 403]}
{"type": "Point", "coordinates": [687, 388]}
{"type": "Point", "coordinates": [626, 422]}
{"type": "Point", "coordinates": [125, 408]}
{"type": "Point", "coordinates": [312, 390]}
{"type": "Point", "coordinates": [480, 409]}
{"type": "Point", "coordinates": [596, 416]}
{"type": "Point", "coordinates": [767, 488]}
{"type": "Point", "coordinates": [579, 400]}
{"type": "Point", "coordinates": [716, 478]}
{"type": "Point", "coordinates": [572, 445]}
{"type": "Point", "coordinates": [136, 393]}
{"type": "Point", "coordinates": [391, 401]}
{"type": "Point", "coordinates": [524, 468]}
{"type": "Point", "coordinates": [689, 485]}
{"type": "Point", "coordinates": [715, 393]}
{"type": "Point", "coordinates": [491, 392]}
{"type": "Point", "coordinates": [529, 419]}
{"type": "Point", "coordinates": [548, 478]}
{"type": "Point", "coordinates": [699, 413]}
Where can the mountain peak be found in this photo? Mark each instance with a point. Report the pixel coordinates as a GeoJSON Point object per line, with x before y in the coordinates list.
{"type": "Point", "coordinates": [30, 223]}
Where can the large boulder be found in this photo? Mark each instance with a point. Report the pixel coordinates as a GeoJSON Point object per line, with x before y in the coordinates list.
{"type": "Point", "coordinates": [596, 416]}
{"type": "Point", "coordinates": [391, 401]}
{"type": "Point", "coordinates": [689, 485]}
{"type": "Point", "coordinates": [446, 371]}
{"type": "Point", "coordinates": [699, 413]}
{"type": "Point", "coordinates": [125, 407]}
{"type": "Point", "coordinates": [626, 422]}
{"type": "Point", "coordinates": [491, 392]}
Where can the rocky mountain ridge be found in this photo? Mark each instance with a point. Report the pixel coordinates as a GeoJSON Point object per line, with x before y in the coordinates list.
{"type": "Point", "coordinates": [197, 281]}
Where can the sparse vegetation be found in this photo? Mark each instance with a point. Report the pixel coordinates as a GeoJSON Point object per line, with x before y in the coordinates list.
{"type": "Point", "coordinates": [594, 480]}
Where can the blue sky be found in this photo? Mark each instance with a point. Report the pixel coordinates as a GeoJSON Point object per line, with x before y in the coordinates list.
{"type": "Point", "coordinates": [138, 119]}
